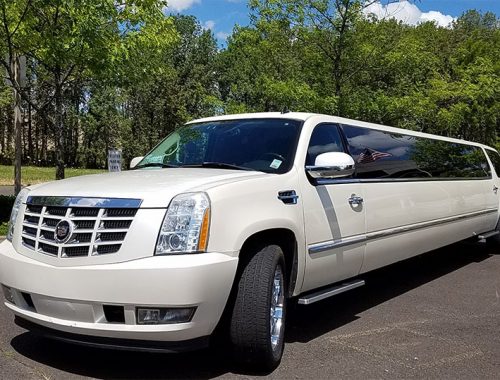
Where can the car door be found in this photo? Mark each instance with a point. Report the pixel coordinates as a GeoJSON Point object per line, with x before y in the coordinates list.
{"type": "Point", "coordinates": [334, 217]}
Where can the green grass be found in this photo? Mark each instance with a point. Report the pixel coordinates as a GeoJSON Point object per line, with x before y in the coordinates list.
{"type": "Point", "coordinates": [3, 229]}
{"type": "Point", "coordinates": [31, 175]}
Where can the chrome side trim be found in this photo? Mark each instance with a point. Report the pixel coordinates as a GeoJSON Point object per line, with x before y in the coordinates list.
{"type": "Point", "coordinates": [320, 247]}
{"type": "Point", "coordinates": [84, 202]}
{"type": "Point", "coordinates": [326, 293]}
{"type": "Point", "coordinates": [333, 181]}
{"type": "Point", "coordinates": [332, 244]}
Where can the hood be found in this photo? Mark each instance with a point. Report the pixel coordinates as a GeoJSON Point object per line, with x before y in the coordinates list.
{"type": "Point", "coordinates": [155, 186]}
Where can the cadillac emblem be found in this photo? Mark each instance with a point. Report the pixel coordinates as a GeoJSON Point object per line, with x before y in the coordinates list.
{"type": "Point", "coordinates": [64, 231]}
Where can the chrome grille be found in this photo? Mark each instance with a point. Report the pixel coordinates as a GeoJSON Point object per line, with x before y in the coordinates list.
{"type": "Point", "coordinates": [96, 230]}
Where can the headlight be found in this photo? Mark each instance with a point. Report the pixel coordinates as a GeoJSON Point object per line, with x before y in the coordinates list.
{"type": "Point", "coordinates": [185, 226]}
{"type": "Point", "coordinates": [21, 197]}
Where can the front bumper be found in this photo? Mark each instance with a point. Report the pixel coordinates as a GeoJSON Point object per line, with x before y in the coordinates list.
{"type": "Point", "coordinates": [71, 299]}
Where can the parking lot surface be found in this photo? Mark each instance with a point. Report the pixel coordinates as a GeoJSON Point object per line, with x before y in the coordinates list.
{"type": "Point", "coordinates": [434, 316]}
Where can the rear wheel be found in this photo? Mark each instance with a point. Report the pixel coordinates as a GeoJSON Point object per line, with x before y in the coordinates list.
{"type": "Point", "coordinates": [257, 324]}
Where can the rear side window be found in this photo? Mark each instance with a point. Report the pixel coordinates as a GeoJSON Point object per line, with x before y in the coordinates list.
{"type": "Point", "coordinates": [380, 154]}
{"type": "Point", "coordinates": [495, 159]}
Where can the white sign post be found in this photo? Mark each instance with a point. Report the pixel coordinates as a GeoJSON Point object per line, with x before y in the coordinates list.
{"type": "Point", "coordinates": [114, 160]}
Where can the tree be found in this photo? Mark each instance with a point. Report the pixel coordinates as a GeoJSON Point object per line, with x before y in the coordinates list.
{"type": "Point", "coordinates": [328, 25]}
{"type": "Point", "coordinates": [151, 93]}
{"type": "Point", "coordinates": [69, 38]}
{"type": "Point", "coordinates": [264, 68]}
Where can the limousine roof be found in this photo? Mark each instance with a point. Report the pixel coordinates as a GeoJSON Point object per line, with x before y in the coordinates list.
{"type": "Point", "coordinates": [303, 116]}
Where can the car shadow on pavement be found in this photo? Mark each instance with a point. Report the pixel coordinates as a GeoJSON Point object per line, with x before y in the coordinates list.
{"type": "Point", "coordinates": [310, 322]}
{"type": "Point", "coordinates": [117, 364]}
{"type": "Point", "coordinates": [305, 323]}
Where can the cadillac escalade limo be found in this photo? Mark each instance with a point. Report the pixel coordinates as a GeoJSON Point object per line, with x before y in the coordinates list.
{"type": "Point", "coordinates": [227, 219]}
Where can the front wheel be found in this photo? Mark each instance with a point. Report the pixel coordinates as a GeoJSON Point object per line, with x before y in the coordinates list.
{"type": "Point", "coordinates": [257, 324]}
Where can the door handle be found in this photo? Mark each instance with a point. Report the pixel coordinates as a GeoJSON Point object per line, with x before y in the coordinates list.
{"type": "Point", "coordinates": [354, 200]}
{"type": "Point", "coordinates": [495, 189]}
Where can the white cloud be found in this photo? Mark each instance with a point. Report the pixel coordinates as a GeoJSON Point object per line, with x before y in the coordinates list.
{"type": "Point", "coordinates": [438, 17]}
{"type": "Point", "coordinates": [209, 24]}
{"type": "Point", "coordinates": [180, 5]}
{"type": "Point", "coordinates": [222, 35]}
{"type": "Point", "coordinates": [406, 12]}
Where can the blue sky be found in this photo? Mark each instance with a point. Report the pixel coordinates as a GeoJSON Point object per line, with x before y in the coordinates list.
{"type": "Point", "coordinates": [221, 15]}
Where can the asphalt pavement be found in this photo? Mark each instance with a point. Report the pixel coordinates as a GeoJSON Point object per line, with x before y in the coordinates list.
{"type": "Point", "coordinates": [435, 316]}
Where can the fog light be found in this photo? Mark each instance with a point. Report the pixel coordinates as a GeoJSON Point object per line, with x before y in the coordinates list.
{"type": "Point", "coordinates": [160, 316]}
{"type": "Point", "coordinates": [8, 294]}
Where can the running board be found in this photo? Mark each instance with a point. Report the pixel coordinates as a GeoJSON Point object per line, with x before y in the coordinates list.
{"type": "Point", "coordinates": [329, 292]}
{"type": "Point", "coordinates": [488, 235]}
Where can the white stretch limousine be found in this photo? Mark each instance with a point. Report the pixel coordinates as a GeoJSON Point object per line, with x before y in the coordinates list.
{"type": "Point", "coordinates": [226, 219]}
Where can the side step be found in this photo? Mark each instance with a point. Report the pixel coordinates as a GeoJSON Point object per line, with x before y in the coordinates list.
{"type": "Point", "coordinates": [329, 292]}
{"type": "Point", "coordinates": [487, 235]}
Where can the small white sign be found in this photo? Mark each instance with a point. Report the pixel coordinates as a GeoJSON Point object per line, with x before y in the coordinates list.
{"type": "Point", "coordinates": [275, 164]}
{"type": "Point", "coordinates": [114, 160]}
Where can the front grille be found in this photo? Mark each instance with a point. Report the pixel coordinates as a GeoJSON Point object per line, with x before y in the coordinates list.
{"type": "Point", "coordinates": [58, 211]}
{"type": "Point", "coordinates": [93, 230]}
{"type": "Point", "coordinates": [48, 249]}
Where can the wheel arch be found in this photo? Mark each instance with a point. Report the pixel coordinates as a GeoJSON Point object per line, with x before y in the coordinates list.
{"type": "Point", "coordinates": [284, 238]}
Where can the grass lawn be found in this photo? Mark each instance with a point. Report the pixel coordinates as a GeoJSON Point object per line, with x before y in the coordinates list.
{"type": "Point", "coordinates": [31, 175]}
{"type": "Point", "coordinates": [3, 228]}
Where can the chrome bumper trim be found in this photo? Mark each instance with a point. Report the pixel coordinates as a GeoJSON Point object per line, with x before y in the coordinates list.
{"type": "Point", "coordinates": [84, 202]}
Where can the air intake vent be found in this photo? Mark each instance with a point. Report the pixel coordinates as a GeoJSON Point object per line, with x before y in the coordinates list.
{"type": "Point", "coordinates": [288, 197]}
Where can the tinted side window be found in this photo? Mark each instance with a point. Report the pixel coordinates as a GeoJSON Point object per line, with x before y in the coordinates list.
{"type": "Point", "coordinates": [449, 160]}
{"type": "Point", "coordinates": [381, 154]}
{"type": "Point", "coordinates": [325, 138]}
{"type": "Point", "coordinates": [495, 159]}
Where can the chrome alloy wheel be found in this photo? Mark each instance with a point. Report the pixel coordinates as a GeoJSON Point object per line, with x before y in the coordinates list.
{"type": "Point", "coordinates": [276, 309]}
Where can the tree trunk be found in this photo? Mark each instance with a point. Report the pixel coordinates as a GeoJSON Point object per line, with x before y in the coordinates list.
{"type": "Point", "coordinates": [59, 127]}
{"type": "Point", "coordinates": [31, 150]}
{"type": "Point", "coordinates": [2, 134]}
{"type": "Point", "coordinates": [44, 133]}
{"type": "Point", "coordinates": [37, 137]}
{"type": "Point", "coordinates": [18, 123]}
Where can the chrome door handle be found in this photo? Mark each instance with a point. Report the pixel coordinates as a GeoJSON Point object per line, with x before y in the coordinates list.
{"type": "Point", "coordinates": [354, 200]}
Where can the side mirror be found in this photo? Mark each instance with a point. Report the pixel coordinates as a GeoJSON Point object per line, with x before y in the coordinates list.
{"type": "Point", "coordinates": [135, 161]}
{"type": "Point", "coordinates": [332, 165]}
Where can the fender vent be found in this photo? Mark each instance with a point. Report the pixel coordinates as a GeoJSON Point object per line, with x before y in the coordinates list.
{"type": "Point", "coordinates": [288, 197]}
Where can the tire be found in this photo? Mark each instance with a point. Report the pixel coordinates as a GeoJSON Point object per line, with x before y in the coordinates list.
{"type": "Point", "coordinates": [260, 305]}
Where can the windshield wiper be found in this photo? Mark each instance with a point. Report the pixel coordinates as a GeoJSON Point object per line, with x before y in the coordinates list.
{"type": "Point", "coordinates": [157, 165]}
{"type": "Point", "coordinates": [217, 165]}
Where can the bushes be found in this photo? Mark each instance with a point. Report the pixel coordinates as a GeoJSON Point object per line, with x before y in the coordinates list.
{"type": "Point", "coordinates": [6, 203]}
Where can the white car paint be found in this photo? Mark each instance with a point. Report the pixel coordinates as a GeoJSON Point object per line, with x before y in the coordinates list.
{"type": "Point", "coordinates": [395, 221]}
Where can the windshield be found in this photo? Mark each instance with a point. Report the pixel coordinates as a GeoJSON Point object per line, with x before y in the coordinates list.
{"type": "Point", "coordinates": [266, 145]}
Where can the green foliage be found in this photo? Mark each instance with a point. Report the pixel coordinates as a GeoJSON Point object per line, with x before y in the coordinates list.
{"type": "Point", "coordinates": [103, 75]}
{"type": "Point", "coordinates": [70, 41]}
{"type": "Point", "coordinates": [32, 175]}
{"type": "Point", "coordinates": [323, 56]}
